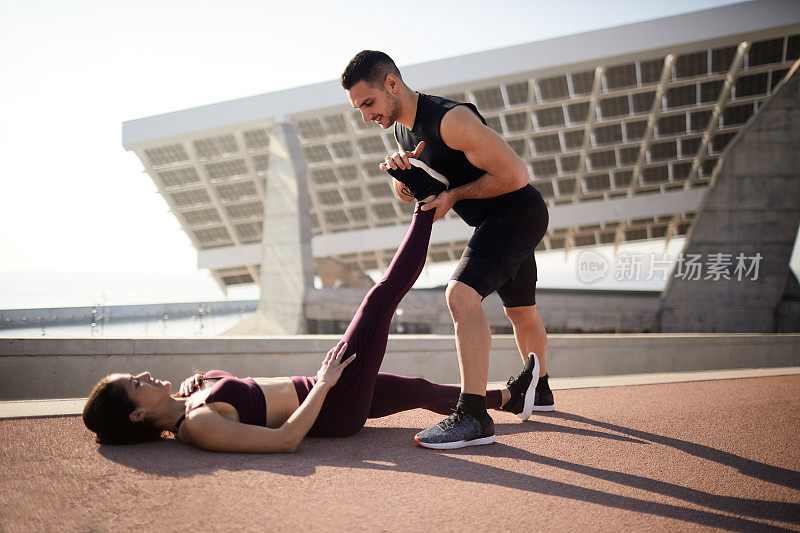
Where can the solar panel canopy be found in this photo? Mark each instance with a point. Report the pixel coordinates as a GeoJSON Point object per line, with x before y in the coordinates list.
{"type": "Point", "coordinates": [621, 146]}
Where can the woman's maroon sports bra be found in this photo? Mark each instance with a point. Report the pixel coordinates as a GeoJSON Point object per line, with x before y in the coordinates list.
{"type": "Point", "coordinates": [243, 394]}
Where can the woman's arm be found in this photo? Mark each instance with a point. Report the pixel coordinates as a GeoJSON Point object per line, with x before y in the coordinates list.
{"type": "Point", "coordinates": [211, 431]}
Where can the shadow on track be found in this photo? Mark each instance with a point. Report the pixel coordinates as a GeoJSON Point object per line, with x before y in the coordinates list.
{"type": "Point", "coordinates": [391, 449]}
{"type": "Point", "coordinates": [763, 471]}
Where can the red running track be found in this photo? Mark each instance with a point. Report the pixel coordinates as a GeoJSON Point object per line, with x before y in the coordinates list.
{"type": "Point", "coordinates": [687, 456]}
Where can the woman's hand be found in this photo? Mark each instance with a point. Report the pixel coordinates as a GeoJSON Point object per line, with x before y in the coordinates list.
{"type": "Point", "coordinates": [332, 365]}
{"type": "Point", "coordinates": [190, 385]}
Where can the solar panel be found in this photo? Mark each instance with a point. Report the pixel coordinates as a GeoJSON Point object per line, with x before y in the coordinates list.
{"type": "Point", "coordinates": [608, 134]}
{"type": "Point", "coordinates": [765, 52]}
{"type": "Point", "coordinates": [634, 130]}
{"type": "Point", "coordinates": [347, 173]}
{"type": "Point", "coordinates": [342, 150]}
{"type": "Point", "coordinates": [643, 102]}
{"type": "Point", "coordinates": [650, 71]}
{"type": "Point", "coordinates": [572, 139]}
{"type": "Point", "coordinates": [569, 163]}
{"type": "Point", "coordinates": [226, 169]}
{"type": "Point", "coordinates": [520, 147]}
{"type": "Point", "coordinates": [517, 121]}
{"type": "Point", "coordinates": [681, 96]}
{"type": "Point", "coordinates": [317, 154]}
{"type": "Point", "coordinates": [261, 162]}
{"type": "Point", "coordinates": [179, 176]}
{"type": "Point", "coordinates": [656, 174]}
{"type": "Point", "coordinates": [237, 191]}
{"type": "Point", "coordinates": [371, 145]}
{"type": "Point", "coordinates": [672, 124]}
{"type": "Point", "coordinates": [698, 121]}
{"type": "Point", "coordinates": [614, 107]}
{"type": "Point", "coordinates": [488, 99]}
{"type": "Point", "coordinates": [544, 168]}
{"type": "Point", "coordinates": [578, 112]}
{"type": "Point", "coordinates": [663, 150]}
{"type": "Point", "coordinates": [164, 155]}
{"type": "Point", "coordinates": [553, 88]}
{"type": "Point", "coordinates": [552, 116]}
{"type": "Point", "coordinates": [544, 144]}
{"type": "Point", "coordinates": [721, 58]}
{"type": "Point", "coordinates": [628, 155]}
{"type": "Point", "coordinates": [691, 65]}
{"type": "Point", "coordinates": [517, 93]}
{"type": "Point", "coordinates": [603, 159]}
{"type": "Point", "coordinates": [735, 115]}
{"type": "Point", "coordinates": [215, 146]}
{"type": "Point", "coordinates": [582, 82]}
{"type": "Point", "coordinates": [754, 84]}
{"type": "Point", "coordinates": [256, 139]}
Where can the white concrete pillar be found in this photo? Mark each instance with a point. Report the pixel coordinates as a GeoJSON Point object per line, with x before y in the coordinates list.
{"type": "Point", "coordinates": [287, 269]}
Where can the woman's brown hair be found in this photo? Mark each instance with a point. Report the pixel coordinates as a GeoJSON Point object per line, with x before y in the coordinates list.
{"type": "Point", "coordinates": [107, 413]}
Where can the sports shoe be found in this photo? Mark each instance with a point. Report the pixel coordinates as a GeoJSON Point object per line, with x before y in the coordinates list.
{"type": "Point", "coordinates": [420, 180]}
{"type": "Point", "coordinates": [457, 431]}
{"type": "Point", "coordinates": [522, 389]}
{"type": "Point", "coordinates": [543, 400]}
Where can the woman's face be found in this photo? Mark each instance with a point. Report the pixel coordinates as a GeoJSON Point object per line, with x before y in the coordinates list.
{"type": "Point", "coordinates": [146, 392]}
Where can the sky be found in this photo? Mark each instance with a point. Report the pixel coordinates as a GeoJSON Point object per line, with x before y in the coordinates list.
{"type": "Point", "coordinates": [81, 223]}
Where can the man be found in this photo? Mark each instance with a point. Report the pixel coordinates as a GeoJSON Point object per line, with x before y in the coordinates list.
{"type": "Point", "coordinates": [486, 184]}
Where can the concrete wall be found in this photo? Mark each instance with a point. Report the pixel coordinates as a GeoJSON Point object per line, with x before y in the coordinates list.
{"type": "Point", "coordinates": [752, 208]}
{"type": "Point", "coordinates": [562, 310]}
{"type": "Point", "coordinates": [37, 368]}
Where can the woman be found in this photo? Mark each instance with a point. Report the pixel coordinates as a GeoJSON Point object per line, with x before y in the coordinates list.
{"type": "Point", "coordinates": [219, 412]}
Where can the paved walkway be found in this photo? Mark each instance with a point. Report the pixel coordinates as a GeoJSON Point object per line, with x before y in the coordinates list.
{"type": "Point", "coordinates": [719, 454]}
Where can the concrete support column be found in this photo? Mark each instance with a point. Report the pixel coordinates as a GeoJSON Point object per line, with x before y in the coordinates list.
{"type": "Point", "coordinates": [287, 268]}
{"type": "Point", "coordinates": [751, 212]}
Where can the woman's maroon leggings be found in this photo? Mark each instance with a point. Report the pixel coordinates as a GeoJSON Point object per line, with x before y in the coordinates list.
{"type": "Point", "coordinates": [362, 392]}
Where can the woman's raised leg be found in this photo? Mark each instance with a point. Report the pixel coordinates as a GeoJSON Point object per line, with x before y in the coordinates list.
{"type": "Point", "coordinates": [348, 403]}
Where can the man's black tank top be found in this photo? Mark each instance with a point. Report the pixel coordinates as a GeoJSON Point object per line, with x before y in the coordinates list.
{"type": "Point", "coordinates": [452, 163]}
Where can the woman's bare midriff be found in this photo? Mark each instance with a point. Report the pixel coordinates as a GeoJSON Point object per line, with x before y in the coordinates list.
{"type": "Point", "coordinates": [279, 393]}
{"type": "Point", "coordinates": [281, 399]}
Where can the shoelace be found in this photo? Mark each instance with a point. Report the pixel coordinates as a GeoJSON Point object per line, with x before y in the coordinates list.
{"type": "Point", "coordinates": [451, 420]}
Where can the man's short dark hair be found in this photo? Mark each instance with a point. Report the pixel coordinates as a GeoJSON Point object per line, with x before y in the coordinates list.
{"type": "Point", "coordinates": [369, 66]}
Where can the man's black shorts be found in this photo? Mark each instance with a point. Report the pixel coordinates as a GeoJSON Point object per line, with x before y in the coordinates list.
{"type": "Point", "coordinates": [499, 255]}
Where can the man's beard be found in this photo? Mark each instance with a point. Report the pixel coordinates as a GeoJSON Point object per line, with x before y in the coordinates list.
{"type": "Point", "coordinates": [394, 110]}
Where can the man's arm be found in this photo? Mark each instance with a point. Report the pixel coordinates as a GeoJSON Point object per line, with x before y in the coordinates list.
{"type": "Point", "coordinates": [461, 129]}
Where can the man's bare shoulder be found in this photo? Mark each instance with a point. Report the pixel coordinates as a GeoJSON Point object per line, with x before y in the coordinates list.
{"type": "Point", "coordinates": [460, 127]}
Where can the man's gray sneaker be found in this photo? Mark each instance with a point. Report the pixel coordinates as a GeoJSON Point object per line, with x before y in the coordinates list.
{"type": "Point", "coordinates": [457, 431]}
{"type": "Point", "coordinates": [523, 389]}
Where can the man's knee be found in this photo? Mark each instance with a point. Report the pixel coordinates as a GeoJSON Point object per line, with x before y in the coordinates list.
{"type": "Point", "coordinates": [525, 316]}
{"type": "Point", "coordinates": [461, 298]}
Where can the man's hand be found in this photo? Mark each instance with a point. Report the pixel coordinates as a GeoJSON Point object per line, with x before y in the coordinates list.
{"type": "Point", "coordinates": [442, 204]}
{"type": "Point", "coordinates": [400, 159]}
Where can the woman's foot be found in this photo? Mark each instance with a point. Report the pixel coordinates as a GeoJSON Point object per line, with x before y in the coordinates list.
{"type": "Point", "coordinates": [423, 182]}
